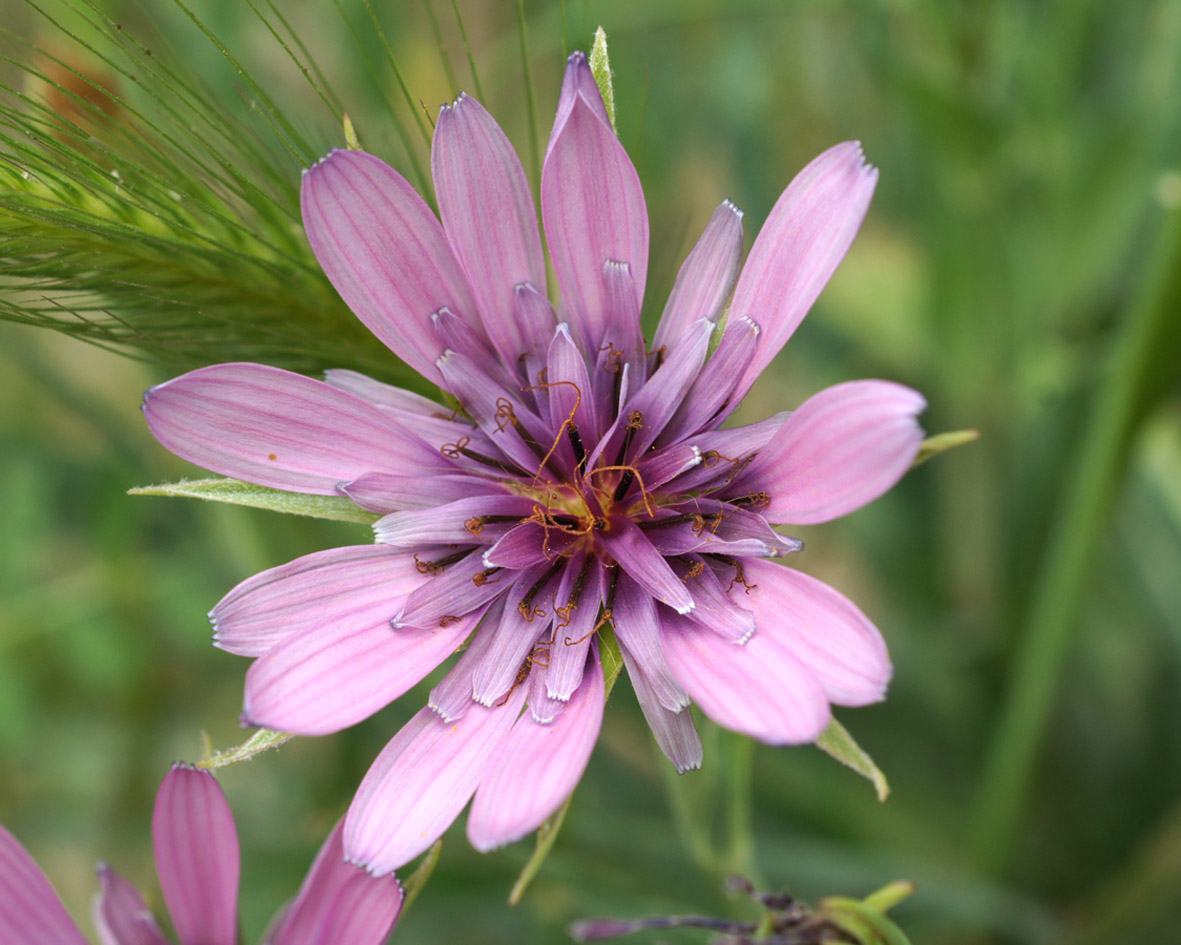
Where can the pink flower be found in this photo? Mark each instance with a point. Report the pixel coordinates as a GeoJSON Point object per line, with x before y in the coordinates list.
{"type": "Point", "coordinates": [197, 860]}
{"type": "Point", "coordinates": [587, 481]}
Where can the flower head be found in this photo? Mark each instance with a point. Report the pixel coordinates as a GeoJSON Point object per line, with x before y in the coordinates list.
{"type": "Point", "coordinates": [196, 847]}
{"type": "Point", "coordinates": [585, 483]}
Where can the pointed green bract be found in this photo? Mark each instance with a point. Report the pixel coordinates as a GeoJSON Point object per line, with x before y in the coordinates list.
{"type": "Point", "coordinates": [836, 741]}
{"type": "Point", "coordinates": [942, 442]}
{"type": "Point", "coordinates": [601, 69]}
{"type": "Point", "coordinates": [334, 508]}
{"type": "Point", "coordinates": [263, 740]}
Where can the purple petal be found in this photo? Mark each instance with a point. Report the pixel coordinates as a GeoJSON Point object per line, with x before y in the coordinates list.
{"type": "Point", "coordinates": [593, 208]}
{"type": "Point", "coordinates": [339, 672]}
{"type": "Point", "coordinates": [278, 603]}
{"type": "Point", "coordinates": [570, 386]}
{"type": "Point", "coordinates": [279, 429]}
{"type": "Point", "coordinates": [196, 847]}
{"type": "Point", "coordinates": [421, 781]}
{"type": "Point", "coordinates": [544, 708]}
{"type": "Point", "coordinates": [709, 400]}
{"type": "Point", "coordinates": [120, 915]}
{"type": "Point", "coordinates": [340, 902]}
{"type": "Point", "coordinates": [715, 610]}
{"type": "Point", "coordinates": [400, 492]}
{"type": "Point", "coordinates": [576, 614]}
{"type": "Point", "coordinates": [655, 403]}
{"type": "Point", "coordinates": [674, 731]}
{"type": "Point", "coordinates": [30, 911]}
{"type": "Point", "coordinates": [452, 591]}
{"type": "Point", "coordinates": [758, 689]}
{"type": "Point", "coordinates": [537, 767]}
{"type": "Point", "coordinates": [452, 697]}
{"type": "Point", "coordinates": [660, 466]}
{"type": "Point", "coordinates": [490, 220]}
{"type": "Point", "coordinates": [526, 617]}
{"type": "Point", "coordinates": [524, 545]}
{"type": "Point", "coordinates": [844, 447]}
{"type": "Point", "coordinates": [630, 547]}
{"type": "Point", "coordinates": [459, 522]}
{"type": "Point", "coordinates": [805, 238]}
{"type": "Point", "coordinates": [638, 628]}
{"type": "Point", "coordinates": [706, 276]}
{"type": "Point", "coordinates": [403, 404]}
{"type": "Point", "coordinates": [384, 251]}
{"type": "Point", "coordinates": [724, 453]}
{"type": "Point", "coordinates": [577, 82]}
{"type": "Point", "coordinates": [820, 627]}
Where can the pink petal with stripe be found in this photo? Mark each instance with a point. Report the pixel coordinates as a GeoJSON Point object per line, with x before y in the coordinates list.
{"type": "Point", "coordinates": [841, 449]}
{"type": "Point", "coordinates": [339, 672]}
{"type": "Point", "coordinates": [489, 218]}
{"type": "Point", "coordinates": [281, 602]}
{"type": "Point", "coordinates": [421, 781]}
{"type": "Point", "coordinates": [340, 903]}
{"type": "Point", "coordinates": [196, 847]}
{"type": "Point", "coordinates": [537, 767]}
{"type": "Point", "coordinates": [385, 252]}
{"type": "Point", "coordinates": [30, 911]}
{"type": "Point", "coordinates": [806, 236]}
{"type": "Point", "coordinates": [121, 917]}
{"type": "Point", "coordinates": [757, 689]}
{"type": "Point", "coordinates": [278, 429]}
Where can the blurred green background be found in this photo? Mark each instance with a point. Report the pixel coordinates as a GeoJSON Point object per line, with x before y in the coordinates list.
{"type": "Point", "coordinates": [1019, 266]}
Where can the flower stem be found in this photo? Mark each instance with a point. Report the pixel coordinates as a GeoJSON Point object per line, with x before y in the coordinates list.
{"type": "Point", "coordinates": [1138, 370]}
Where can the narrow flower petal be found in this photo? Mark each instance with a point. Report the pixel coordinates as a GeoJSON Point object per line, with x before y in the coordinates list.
{"type": "Point", "coordinates": [544, 708]}
{"type": "Point", "coordinates": [706, 277]}
{"type": "Point", "coordinates": [593, 208]}
{"type": "Point", "coordinates": [710, 400]}
{"type": "Point", "coordinates": [638, 629]}
{"type": "Point", "coordinates": [757, 689]}
{"type": "Point", "coordinates": [340, 902]}
{"type": "Point", "coordinates": [725, 453]}
{"type": "Point", "coordinates": [421, 781]}
{"type": "Point", "coordinates": [489, 218]}
{"type": "Point", "coordinates": [120, 915]}
{"type": "Point", "coordinates": [537, 767]}
{"type": "Point", "coordinates": [806, 236]}
{"type": "Point", "coordinates": [453, 590]}
{"type": "Point", "coordinates": [578, 82]}
{"type": "Point", "coordinates": [452, 697]}
{"type": "Point", "coordinates": [844, 447]}
{"type": "Point", "coordinates": [30, 911]}
{"type": "Point", "coordinates": [822, 628]}
{"type": "Point", "coordinates": [674, 731]}
{"type": "Point", "coordinates": [279, 429]}
{"type": "Point", "coordinates": [385, 252]}
{"type": "Point", "coordinates": [714, 609]}
{"type": "Point", "coordinates": [526, 617]}
{"type": "Point", "coordinates": [459, 522]}
{"type": "Point", "coordinates": [281, 602]}
{"type": "Point", "coordinates": [576, 616]}
{"type": "Point", "coordinates": [570, 385]}
{"type": "Point", "coordinates": [196, 847]}
{"type": "Point", "coordinates": [630, 547]}
{"type": "Point", "coordinates": [337, 673]}
{"type": "Point", "coordinates": [411, 491]}
{"type": "Point", "coordinates": [403, 404]}
{"type": "Point", "coordinates": [525, 545]}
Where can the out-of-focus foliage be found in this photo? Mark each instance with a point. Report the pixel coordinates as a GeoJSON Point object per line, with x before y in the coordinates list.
{"type": "Point", "coordinates": [1014, 267]}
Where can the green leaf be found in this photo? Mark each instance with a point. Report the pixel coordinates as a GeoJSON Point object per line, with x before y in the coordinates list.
{"type": "Point", "coordinates": [335, 508]}
{"type": "Point", "coordinates": [601, 70]}
{"type": "Point", "coordinates": [942, 442]}
{"type": "Point", "coordinates": [836, 741]}
{"type": "Point", "coordinates": [547, 834]}
{"type": "Point", "coordinates": [867, 925]}
{"type": "Point", "coordinates": [611, 657]}
{"type": "Point", "coordinates": [419, 877]}
{"type": "Point", "coordinates": [352, 142]}
{"type": "Point", "coordinates": [263, 740]}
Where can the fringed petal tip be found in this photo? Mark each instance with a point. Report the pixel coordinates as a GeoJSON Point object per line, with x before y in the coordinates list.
{"type": "Point", "coordinates": [326, 157]}
{"type": "Point", "coordinates": [733, 208]}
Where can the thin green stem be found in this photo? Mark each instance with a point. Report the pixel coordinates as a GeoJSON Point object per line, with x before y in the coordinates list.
{"type": "Point", "coordinates": [443, 57]}
{"type": "Point", "coordinates": [1076, 537]}
{"type": "Point", "coordinates": [530, 95]}
{"type": "Point", "coordinates": [467, 47]}
{"type": "Point", "coordinates": [393, 61]}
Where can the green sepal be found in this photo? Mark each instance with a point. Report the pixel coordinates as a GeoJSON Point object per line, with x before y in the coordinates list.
{"type": "Point", "coordinates": [352, 142]}
{"type": "Point", "coordinates": [865, 919]}
{"type": "Point", "coordinates": [414, 885]}
{"type": "Point", "coordinates": [601, 70]}
{"type": "Point", "coordinates": [332, 507]}
{"type": "Point", "coordinates": [837, 742]}
{"type": "Point", "coordinates": [263, 740]}
{"type": "Point", "coordinates": [942, 442]}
